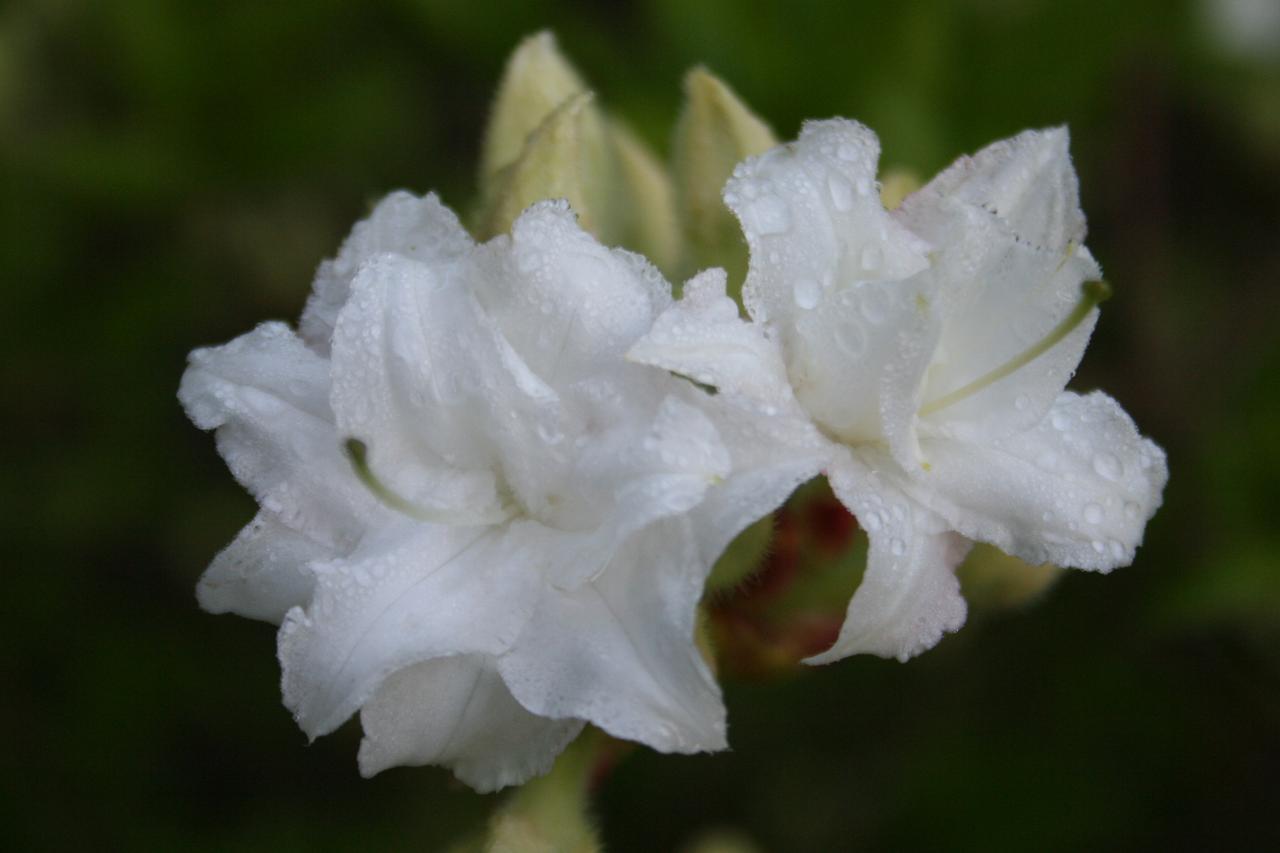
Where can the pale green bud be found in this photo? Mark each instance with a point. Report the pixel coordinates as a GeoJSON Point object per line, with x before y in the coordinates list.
{"type": "Point", "coordinates": [896, 185]}
{"type": "Point", "coordinates": [992, 579]}
{"type": "Point", "coordinates": [715, 132]}
{"type": "Point", "coordinates": [646, 209]}
{"type": "Point", "coordinates": [537, 81]}
{"type": "Point", "coordinates": [565, 157]}
{"type": "Point", "coordinates": [549, 814]}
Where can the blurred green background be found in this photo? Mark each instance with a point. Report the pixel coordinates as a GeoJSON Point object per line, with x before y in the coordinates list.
{"type": "Point", "coordinates": [172, 171]}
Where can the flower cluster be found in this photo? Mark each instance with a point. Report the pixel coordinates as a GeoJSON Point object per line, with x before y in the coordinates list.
{"type": "Point", "coordinates": [490, 497]}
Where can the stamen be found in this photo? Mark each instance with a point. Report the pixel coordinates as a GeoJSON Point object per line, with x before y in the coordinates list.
{"type": "Point", "coordinates": [1092, 293]}
{"type": "Point", "coordinates": [358, 452]}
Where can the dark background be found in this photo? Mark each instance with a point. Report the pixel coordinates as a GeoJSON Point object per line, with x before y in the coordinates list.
{"type": "Point", "coordinates": [172, 171]}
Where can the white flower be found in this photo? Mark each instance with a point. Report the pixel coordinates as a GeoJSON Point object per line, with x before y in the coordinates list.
{"type": "Point", "coordinates": [537, 515]}
{"type": "Point", "coordinates": [931, 346]}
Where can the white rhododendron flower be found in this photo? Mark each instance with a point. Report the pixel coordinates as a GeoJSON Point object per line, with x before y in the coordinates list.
{"type": "Point", "coordinates": [481, 526]}
{"type": "Point", "coordinates": [931, 346]}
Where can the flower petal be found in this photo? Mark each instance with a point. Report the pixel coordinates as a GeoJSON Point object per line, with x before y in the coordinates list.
{"type": "Point", "coordinates": [1077, 490]}
{"type": "Point", "coordinates": [414, 593]}
{"type": "Point", "coordinates": [1026, 182]}
{"type": "Point", "coordinates": [263, 572]}
{"type": "Point", "coordinates": [909, 596]}
{"type": "Point", "coordinates": [837, 275]}
{"type": "Point", "coordinates": [1009, 269]}
{"type": "Point", "coordinates": [773, 444]}
{"type": "Point", "coordinates": [456, 712]}
{"type": "Point", "coordinates": [414, 368]}
{"type": "Point", "coordinates": [619, 651]}
{"type": "Point", "coordinates": [813, 220]}
{"type": "Point", "coordinates": [567, 304]}
{"type": "Point", "coordinates": [266, 394]}
{"type": "Point", "coordinates": [402, 224]}
{"type": "Point", "coordinates": [702, 337]}
{"type": "Point", "coordinates": [772, 455]}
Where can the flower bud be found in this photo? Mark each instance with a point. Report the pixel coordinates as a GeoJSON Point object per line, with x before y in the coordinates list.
{"type": "Point", "coordinates": [715, 132]}
{"type": "Point", "coordinates": [897, 184]}
{"type": "Point", "coordinates": [537, 81]}
{"type": "Point", "coordinates": [646, 216]}
{"type": "Point", "coordinates": [561, 159]}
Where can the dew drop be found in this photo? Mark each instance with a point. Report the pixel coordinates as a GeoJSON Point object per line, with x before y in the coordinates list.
{"type": "Point", "coordinates": [1092, 513]}
{"type": "Point", "coordinates": [871, 257]}
{"type": "Point", "coordinates": [898, 547]}
{"type": "Point", "coordinates": [806, 293]}
{"type": "Point", "coordinates": [872, 521]}
{"type": "Point", "coordinates": [550, 434]}
{"type": "Point", "coordinates": [875, 304]}
{"type": "Point", "coordinates": [851, 338]}
{"type": "Point", "coordinates": [1117, 550]}
{"type": "Point", "coordinates": [769, 215]}
{"type": "Point", "coordinates": [1107, 466]}
{"type": "Point", "coordinates": [841, 193]}
{"type": "Point", "coordinates": [1131, 510]}
{"type": "Point", "coordinates": [847, 153]}
{"type": "Point", "coordinates": [1098, 546]}
{"type": "Point", "coordinates": [1061, 421]}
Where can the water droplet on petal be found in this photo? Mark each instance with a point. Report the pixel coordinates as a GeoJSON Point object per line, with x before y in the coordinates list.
{"type": "Point", "coordinates": [851, 338]}
{"type": "Point", "coordinates": [1108, 467]}
{"type": "Point", "coordinates": [769, 215]}
{"type": "Point", "coordinates": [806, 292]}
{"type": "Point", "coordinates": [871, 257]}
{"type": "Point", "coordinates": [1131, 510]}
{"type": "Point", "coordinates": [875, 304]}
{"type": "Point", "coordinates": [872, 521]}
{"type": "Point", "coordinates": [847, 152]}
{"type": "Point", "coordinates": [898, 547]}
{"type": "Point", "coordinates": [841, 193]}
{"type": "Point", "coordinates": [1092, 513]}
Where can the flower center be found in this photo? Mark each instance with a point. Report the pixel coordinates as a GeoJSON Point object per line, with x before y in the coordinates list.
{"type": "Point", "coordinates": [358, 453]}
{"type": "Point", "coordinates": [1092, 293]}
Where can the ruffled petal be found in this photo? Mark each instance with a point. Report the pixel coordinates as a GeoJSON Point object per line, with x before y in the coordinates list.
{"type": "Point", "coordinates": [414, 593]}
{"type": "Point", "coordinates": [567, 304]}
{"type": "Point", "coordinates": [813, 220]}
{"type": "Point", "coordinates": [1026, 182]}
{"type": "Point", "coordinates": [909, 596]}
{"type": "Point", "coordinates": [1077, 490]}
{"type": "Point", "coordinates": [416, 373]}
{"type": "Point", "coordinates": [630, 478]}
{"type": "Point", "coordinates": [263, 572]}
{"type": "Point", "coordinates": [773, 444]}
{"type": "Point", "coordinates": [619, 651]}
{"type": "Point", "coordinates": [456, 712]}
{"type": "Point", "coordinates": [703, 338]}
{"type": "Point", "coordinates": [772, 454]}
{"type": "Point", "coordinates": [838, 278]}
{"type": "Point", "coordinates": [266, 394]}
{"type": "Point", "coordinates": [1009, 268]}
{"type": "Point", "coordinates": [402, 224]}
